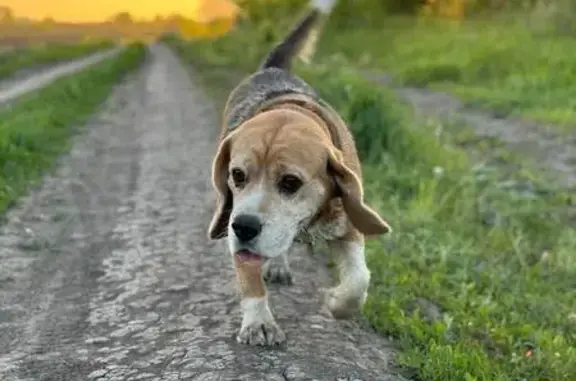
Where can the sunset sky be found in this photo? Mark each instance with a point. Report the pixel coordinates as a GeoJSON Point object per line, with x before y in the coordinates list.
{"type": "Point", "coordinates": [86, 11]}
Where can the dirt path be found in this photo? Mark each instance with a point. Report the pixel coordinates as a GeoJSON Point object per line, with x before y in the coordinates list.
{"type": "Point", "coordinates": [548, 150]}
{"type": "Point", "coordinates": [12, 88]}
{"type": "Point", "coordinates": [106, 273]}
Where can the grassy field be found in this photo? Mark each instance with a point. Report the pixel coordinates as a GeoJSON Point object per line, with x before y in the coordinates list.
{"type": "Point", "coordinates": [38, 128]}
{"type": "Point", "coordinates": [33, 56]}
{"type": "Point", "coordinates": [503, 66]}
{"type": "Point", "coordinates": [477, 282]}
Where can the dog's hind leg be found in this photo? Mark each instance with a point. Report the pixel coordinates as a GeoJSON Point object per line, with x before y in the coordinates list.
{"type": "Point", "coordinates": [349, 295]}
{"type": "Point", "coordinates": [258, 324]}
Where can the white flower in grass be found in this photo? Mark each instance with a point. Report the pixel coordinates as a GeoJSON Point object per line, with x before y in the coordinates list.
{"type": "Point", "coordinates": [438, 171]}
{"type": "Point", "coordinates": [438, 130]}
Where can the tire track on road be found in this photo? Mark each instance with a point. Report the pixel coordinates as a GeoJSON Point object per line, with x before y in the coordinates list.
{"type": "Point", "coordinates": [11, 89]}
{"type": "Point", "coordinates": [546, 149]}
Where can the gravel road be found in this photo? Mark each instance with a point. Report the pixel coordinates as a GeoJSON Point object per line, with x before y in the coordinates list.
{"type": "Point", "coordinates": [12, 88]}
{"type": "Point", "coordinates": [106, 273]}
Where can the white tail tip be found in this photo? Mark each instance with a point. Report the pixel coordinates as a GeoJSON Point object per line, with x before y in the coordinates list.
{"type": "Point", "coordinates": [309, 47]}
{"type": "Point", "coordinates": [324, 6]}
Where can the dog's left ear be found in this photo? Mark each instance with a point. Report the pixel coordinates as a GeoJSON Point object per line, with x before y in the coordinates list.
{"type": "Point", "coordinates": [365, 219]}
{"type": "Point", "coordinates": [224, 203]}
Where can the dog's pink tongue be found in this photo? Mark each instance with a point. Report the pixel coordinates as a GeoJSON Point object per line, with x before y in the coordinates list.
{"type": "Point", "coordinates": [247, 256]}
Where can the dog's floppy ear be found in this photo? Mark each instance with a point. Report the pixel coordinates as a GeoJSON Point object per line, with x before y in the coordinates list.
{"type": "Point", "coordinates": [224, 202]}
{"type": "Point", "coordinates": [349, 188]}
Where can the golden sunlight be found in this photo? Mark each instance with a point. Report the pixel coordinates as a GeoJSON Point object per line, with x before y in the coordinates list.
{"type": "Point", "coordinates": [75, 11]}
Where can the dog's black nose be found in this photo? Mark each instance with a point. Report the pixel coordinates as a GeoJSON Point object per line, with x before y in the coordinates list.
{"type": "Point", "coordinates": [246, 227]}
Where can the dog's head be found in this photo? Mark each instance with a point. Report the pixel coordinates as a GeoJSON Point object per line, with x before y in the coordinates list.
{"type": "Point", "coordinates": [273, 175]}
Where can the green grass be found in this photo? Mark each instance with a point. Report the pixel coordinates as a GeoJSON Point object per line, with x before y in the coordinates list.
{"type": "Point", "coordinates": [34, 56]}
{"type": "Point", "coordinates": [504, 66]}
{"type": "Point", "coordinates": [495, 261]}
{"type": "Point", "coordinates": [38, 128]}
{"type": "Point", "coordinates": [504, 285]}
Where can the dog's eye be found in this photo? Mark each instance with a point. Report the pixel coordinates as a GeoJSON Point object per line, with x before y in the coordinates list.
{"type": "Point", "coordinates": [239, 177]}
{"type": "Point", "coordinates": [289, 184]}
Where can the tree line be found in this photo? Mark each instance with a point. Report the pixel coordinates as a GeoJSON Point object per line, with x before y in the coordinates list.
{"type": "Point", "coordinates": [353, 12]}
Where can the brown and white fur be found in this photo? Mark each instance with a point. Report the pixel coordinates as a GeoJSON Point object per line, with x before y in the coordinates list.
{"type": "Point", "coordinates": [286, 165]}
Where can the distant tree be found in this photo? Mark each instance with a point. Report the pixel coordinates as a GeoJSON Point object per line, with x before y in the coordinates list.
{"type": "Point", "coordinates": [216, 9]}
{"type": "Point", "coordinates": [270, 17]}
{"type": "Point", "coordinates": [274, 15]}
{"type": "Point", "coordinates": [264, 11]}
{"type": "Point", "coordinates": [6, 15]}
{"type": "Point", "coordinates": [175, 18]}
{"type": "Point", "coordinates": [123, 18]}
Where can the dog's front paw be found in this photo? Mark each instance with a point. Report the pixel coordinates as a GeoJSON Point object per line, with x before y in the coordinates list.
{"type": "Point", "coordinates": [261, 333]}
{"type": "Point", "coordinates": [277, 272]}
{"type": "Point", "coordinates": [341, 304]}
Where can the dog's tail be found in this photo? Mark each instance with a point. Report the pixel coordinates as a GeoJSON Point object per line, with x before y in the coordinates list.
{"type": "Point", "coordinates": [301, 39]}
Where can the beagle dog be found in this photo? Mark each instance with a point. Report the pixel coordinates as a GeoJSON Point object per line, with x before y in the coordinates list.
{"type": "Point", "coordinates": [286, 168]}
